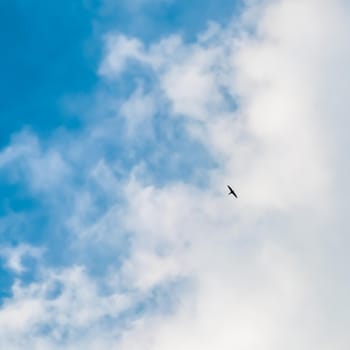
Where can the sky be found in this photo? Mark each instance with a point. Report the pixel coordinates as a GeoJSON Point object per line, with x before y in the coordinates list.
{"type": "Point", "coordinates": [122, 122]}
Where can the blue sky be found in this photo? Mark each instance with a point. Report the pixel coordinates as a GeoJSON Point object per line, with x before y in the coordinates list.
{"type": "Point", "coordinates": [52, 50]}
{"type": "Point", "coordinates": [121, 124]}
{"type": "Point", "coordinates": [45, 58]}
{"type": "Point", "coordinates": [51, 55]}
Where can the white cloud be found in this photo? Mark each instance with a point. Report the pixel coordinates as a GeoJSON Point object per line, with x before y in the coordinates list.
{"type": "Point", "coordinates": [14, 256]}
{"type": "Point", "coordinates": [138, 109]}
{"type": "Point", "coordinates": [120, 49]}
{"type": "Point", "coordinates": [265, 271]}
{"type": "Point", "coordinates": [25, 159]}
{"type": "Point", "coordinates": [66, 308]}
{"type": "Point", "coordinates": [258, 284]}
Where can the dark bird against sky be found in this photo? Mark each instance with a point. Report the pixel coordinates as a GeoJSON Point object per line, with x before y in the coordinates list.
{"type": "Point", "coordinates": [231, 191]}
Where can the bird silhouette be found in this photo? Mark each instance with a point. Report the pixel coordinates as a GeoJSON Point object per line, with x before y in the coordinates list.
{"type": "Point", "coordinates": [231, 191]}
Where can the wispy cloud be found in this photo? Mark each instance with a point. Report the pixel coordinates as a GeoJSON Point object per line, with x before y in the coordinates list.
{"type": "Point", "coordinates": [177, 263]}
{"type": "Point", "coordinates": [14, 256]}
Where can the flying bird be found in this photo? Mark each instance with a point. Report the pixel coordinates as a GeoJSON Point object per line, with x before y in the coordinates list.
{"type": "Point", "coordinates": [231, 191]}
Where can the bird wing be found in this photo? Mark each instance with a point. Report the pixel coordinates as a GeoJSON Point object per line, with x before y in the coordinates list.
{"type": "Point", "coordinates": [232, 191]}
